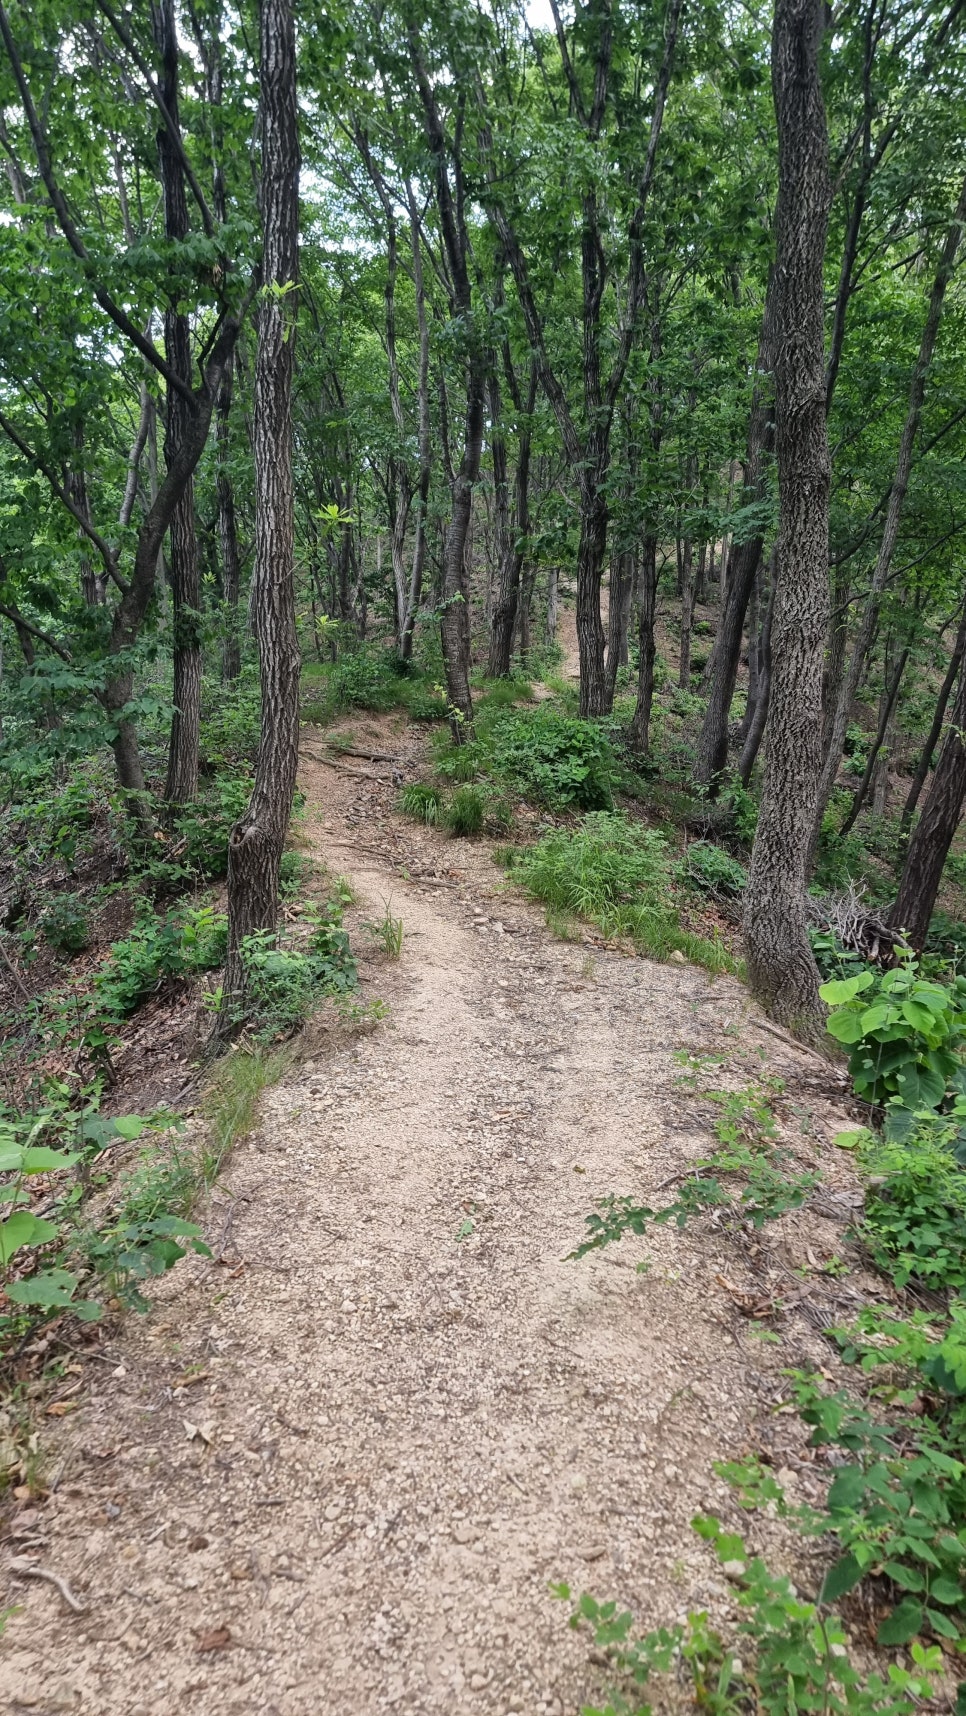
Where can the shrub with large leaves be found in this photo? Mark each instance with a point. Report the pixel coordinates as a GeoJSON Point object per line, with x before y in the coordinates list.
{"type": "Point", "coordinates": [906, 1035]}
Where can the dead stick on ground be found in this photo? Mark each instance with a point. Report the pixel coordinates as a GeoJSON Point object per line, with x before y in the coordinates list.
{"type": "Point", "coordinates": [8, 962]}
{"type": "Point", "coordinates": [25, 1569]}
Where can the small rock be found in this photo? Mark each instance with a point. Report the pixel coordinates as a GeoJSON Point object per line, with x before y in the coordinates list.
{"type": "Point", "coordinates": [465, 1534]}
{"type": "Point", "coordinates": [593, 1552]}
{"type": "Point", "coordinates": [677, 958]}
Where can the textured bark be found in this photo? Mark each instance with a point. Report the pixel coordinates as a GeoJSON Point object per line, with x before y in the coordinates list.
{"type": "Point", "coordinates": [890, 534]}
{"type": "Point", "coordinates": [451, 205]}
{"type": "Point", "coordinates": [181, 784]}
{"type": "Point", "coordinates": [227, 533]}
{"type": "Point", "coordinates": [759, 715]}
{"type": "Point", "coordinates": [511, 531]}
{"type": "Point", "coordinates": [686, 564]}
{"type": "Point", "coordinates": [934, 832]}
{"type": "Point", "coordinates": [424, 437]}
{"type": "Point", "coordinates": [257, 839]}
{"type": "Point", "coordinates": [926, 755]}
{"type": "Point", "coordinates": [781, 969]}
{"type": "Point", "coordinates": [886, 711]}
{"type": "Point", "coordinates": [743, 566]}
{"type": "Point", "coordinates": [639, 736]}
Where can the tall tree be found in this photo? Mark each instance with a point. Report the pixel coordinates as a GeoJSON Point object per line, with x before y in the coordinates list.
{"type": "Point", "coordinates": [255, 847]}
{"type": "Point", "coordinates": [781, 968]}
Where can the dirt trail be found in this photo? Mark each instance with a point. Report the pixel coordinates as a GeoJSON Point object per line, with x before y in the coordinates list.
{"type": "Point", "coordinates": [419, 1414]}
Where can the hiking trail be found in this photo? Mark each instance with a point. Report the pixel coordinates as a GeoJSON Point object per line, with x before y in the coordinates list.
{"type": "Point", "coordinates": [337, 1468]}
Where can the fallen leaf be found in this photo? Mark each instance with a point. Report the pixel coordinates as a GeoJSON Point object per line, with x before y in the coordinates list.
{"type": "Point", "coordinates": [199, 1432]}
{"type": "Point", "coordinates": [60, 1408]}
{"type": "Point", "coordinates": [218, 1639]}
{"type": "Point", "coordinates": [191, 1377]}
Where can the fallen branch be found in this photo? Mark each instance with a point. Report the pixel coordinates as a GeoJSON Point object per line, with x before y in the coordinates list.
{"type": "Point", "coordinates": [25, 1569]}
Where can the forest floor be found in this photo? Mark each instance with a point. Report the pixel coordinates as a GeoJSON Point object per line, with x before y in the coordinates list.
{"type": "Point", "coordinates": [337, 1468]}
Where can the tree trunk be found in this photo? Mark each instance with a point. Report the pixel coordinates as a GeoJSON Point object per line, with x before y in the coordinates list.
{"type": "Point", "coordinates": [759, 716]}
{"type": "Point", "coordinates": [181, 785]}
{"type": "Point", "coordinates": [639, 737]}
{"type": "Point", "coordinates": [939, 715]}
{"type": "Point", "coordinates": [894, 511]}
{"type": "Point", "coordinates": [423, 437]}
{"type": "Point", "coordinates": [933, 834]}
{"type": "Point", "coordinates": [743, 563]}
{"type": "Point", "coordinates": [781, 969]}
{"type": "Point", "coordinates": [876, 754]}
{"type": "Point", "coordinates": [227, 534]}
{"type": "Point", "coordinates": [257, 839]}
{"type": "Point", "coordinates": [686, 564]}
{"type": "Point", "coordinates": [506, 554]}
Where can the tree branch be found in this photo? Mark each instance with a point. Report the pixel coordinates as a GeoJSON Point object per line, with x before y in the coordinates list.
{"type": "Point", "coordinates": [76, 512]}
{"type": "Point", "coordinates": [58, 201]}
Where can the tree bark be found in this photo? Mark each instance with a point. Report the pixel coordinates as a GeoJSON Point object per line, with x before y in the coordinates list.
{"type": "Point", "coordinates": [893, 519]}
{"type": "Point", "coordinates": [257, 839]}
{"type": "Point", "coordinates": [744, 562]}
{"type": "Point", "coordinates": [639, 737]}
{"type": "Point", "coordinates": [933, 834]}
{"type": "Point", "coordinates": [181, 784]}
{"type": "Point", "coordinates": [781, 969]}
{"type": "Point", "coordinates": [926, 756]}
{"type": "Point", "coordinates": [227, 534]}
{"type": "Point", "coordinates": [887, 708]}
{"type": "Point", "coordinates": [759, 715]}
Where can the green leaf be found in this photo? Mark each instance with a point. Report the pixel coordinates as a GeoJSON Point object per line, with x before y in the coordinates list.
{"type": "Point", "coordinates": [841, 989]}
{"type": "Point", "coordinates": [845, 1027]}
{"type": "Point", "coordinates": [945, 1590]}
{"type": "Point", "coordinates": [851, 1140]}
{"type": "Point", "coordinates": [21, 1229]}
{"type": "Point", "coordinates": [128, 1126]}
{"type": "Point", "coordinates": [908, 1578]}
{"type": "Point", "coordinates": [51, 1289]}
{"type": "Point", "coordinates": [843, 1577]}
{"type": "Point", "coordinates": [40, 1159]}
{"type": "Point", "coordinates": [848, 1488]}
{"type": "Point", "coordinates": [942, 1625]}
{"type": "Point", "coordinates": [903, 1624]}
{"type": "Point", "coordinates": [920, 1087]}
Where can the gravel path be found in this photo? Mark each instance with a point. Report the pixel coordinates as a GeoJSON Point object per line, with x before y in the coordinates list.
{"type": "Point", "coordinates": [338, 1472]}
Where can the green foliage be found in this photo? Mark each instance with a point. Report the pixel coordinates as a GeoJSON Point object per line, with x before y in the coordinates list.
{"type": "Point", "coordinates": [556, 759]}
{"type": "Point", "coordinates": [618, 874]}
{"type": "Point", "coordinates": [284, 983]}
{"type": "Point", "coordinates": [898, 1510]}
{"type": "Point", "coordinates": [915, 1209]}
{"type": "Point", "coordinates": [66, 925]}
{"type": "Point", "coordinates": [179, 945]}
{"type": "Point", "coordinates": [709, 869]}
{"type": "Point", "coordinates": [746, 1151]}
{"type": "Point", "coordinates": [791, 1656]}
{"type": "Point", "coordinates": [388, 932]}
{"type": "Point", "coordinates": [230, 1101]}
{"type": "Point", "coordinates": [466, 811]}
{"type": "Point", "coordinates": [203, 828]}
{"type": "Point", "coordinates": [905, 1034]}
{"type": "Point", "coordinates": [422, 802]}
{"type": "Point", "coordinates": [541, 754]}
{"type": "Point", "coordinates": [50, 1263]}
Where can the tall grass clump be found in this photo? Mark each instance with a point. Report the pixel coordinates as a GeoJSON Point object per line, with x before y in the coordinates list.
{"type": "Point", "coordinates": [617, 875]}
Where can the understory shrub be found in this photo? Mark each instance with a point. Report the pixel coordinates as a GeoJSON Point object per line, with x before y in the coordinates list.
{"type": "Point", "coordinates": [906, 1034]}
{"type": "Point", "coordinates": [557, 760]}
{"type": "Point", "coordinates": [617, 874]}
{"type": "Point", "coordinates": [178, 945]}
{"type": "Point", "coordinates": [709, 869]}
{"type": "Point", "coordinates": [285, 980]}
{"type": "Point", "coordinates": [66, 925]}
